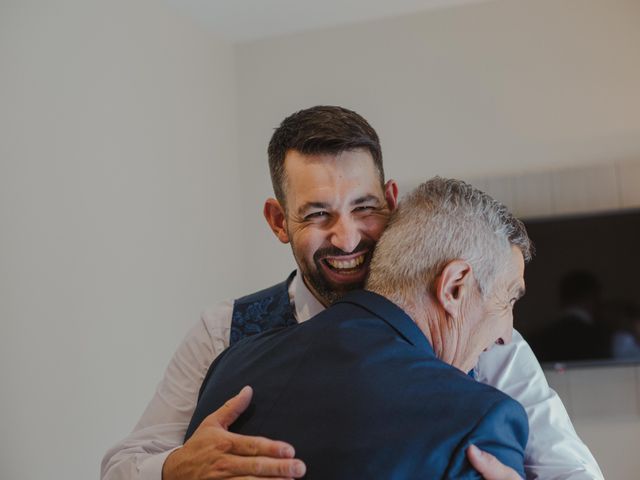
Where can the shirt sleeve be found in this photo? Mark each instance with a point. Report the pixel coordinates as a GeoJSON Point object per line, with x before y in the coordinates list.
{"type": "Point", "coordinates": [554, 450]}
{"type": "Point", "coordinates": [163, 424]}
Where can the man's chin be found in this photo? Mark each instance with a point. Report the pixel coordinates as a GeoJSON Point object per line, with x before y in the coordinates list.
{"type": "Point", "coordinates": [329, 293]}
{"type": "Point", "coordinates": [340, 289]}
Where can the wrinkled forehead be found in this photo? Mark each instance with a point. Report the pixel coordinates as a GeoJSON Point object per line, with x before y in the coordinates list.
{"type": "Point", "coordinates": [328, 177]}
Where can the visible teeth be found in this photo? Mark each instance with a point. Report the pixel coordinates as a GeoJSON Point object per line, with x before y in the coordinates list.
{"type": "Point", "coordinates": [346, 264]}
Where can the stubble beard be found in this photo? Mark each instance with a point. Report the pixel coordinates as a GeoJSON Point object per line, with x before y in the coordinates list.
{"type": "Point", "coordinates": [325, 291]}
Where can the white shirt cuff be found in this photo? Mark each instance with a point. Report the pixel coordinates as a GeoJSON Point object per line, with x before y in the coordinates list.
{"type": "Point", "coordinates": [151, 467]}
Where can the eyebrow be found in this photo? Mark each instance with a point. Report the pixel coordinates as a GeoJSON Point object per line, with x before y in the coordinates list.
{"type": "Point", "coordinates": [365, 199]}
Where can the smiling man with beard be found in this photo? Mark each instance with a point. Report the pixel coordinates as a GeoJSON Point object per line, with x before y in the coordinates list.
{"type": "Point", "coordinates": [334, 213]}
{"type": "Point", "coordinates": [331, 204]}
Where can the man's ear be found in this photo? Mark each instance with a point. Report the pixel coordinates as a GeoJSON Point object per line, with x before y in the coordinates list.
{"type": "Point", "coordinates": [391, 194]}
{"type": "Point", "coordinates": [452, 285]}
{"type": "Point", "coordinates": [276, 218]}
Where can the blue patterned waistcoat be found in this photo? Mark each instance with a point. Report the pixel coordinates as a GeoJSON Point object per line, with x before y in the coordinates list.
{"type": "Point", "coordinates": [263, 310]}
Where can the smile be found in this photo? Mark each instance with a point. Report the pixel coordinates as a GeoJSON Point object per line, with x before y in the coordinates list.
{"type": "Point", "coordinates": [344, 265]}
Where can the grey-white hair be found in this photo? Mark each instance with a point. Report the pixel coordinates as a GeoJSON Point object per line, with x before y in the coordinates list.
{"type": "Point", "coordinates": [440, 221]}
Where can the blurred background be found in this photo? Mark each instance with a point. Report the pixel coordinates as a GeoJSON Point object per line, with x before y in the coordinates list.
{"type": "Point", "coordinates": [133, 171]}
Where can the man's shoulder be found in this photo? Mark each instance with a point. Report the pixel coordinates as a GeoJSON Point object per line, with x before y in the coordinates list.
{"type": "Point", "coordinates": [500, 428]}
{"type": "Point", "coordinates": [220, 315]}
{"type": "Point", "coordinates": [373, 345]}
{"type": "Point", "coordinates": [451, 378]}
{"type": "Point", "coordinates": [440, 383]}
{"type": "Point", "coordinates": [498, 403]}
{"type": "Point", "coordinates": [217, 316]}
{"type": "Point", "coordinates": [328, 328]}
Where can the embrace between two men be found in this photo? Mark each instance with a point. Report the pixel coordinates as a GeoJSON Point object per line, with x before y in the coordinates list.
{"type": "Point", "coordinates": [388, 382]}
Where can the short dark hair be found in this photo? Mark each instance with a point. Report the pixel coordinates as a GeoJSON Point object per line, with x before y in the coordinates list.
{"type": "Point", "coordinates": [320, 130]}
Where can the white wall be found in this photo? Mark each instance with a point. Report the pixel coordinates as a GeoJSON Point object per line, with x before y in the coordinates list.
{"type": "Point", "coordinates": [117, 166]}
{"type": "Point", "coordinates": [604, 405]}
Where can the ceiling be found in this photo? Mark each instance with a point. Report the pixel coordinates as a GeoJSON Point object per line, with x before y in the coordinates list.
{"type": "Point", "coordinates": [246, 20]}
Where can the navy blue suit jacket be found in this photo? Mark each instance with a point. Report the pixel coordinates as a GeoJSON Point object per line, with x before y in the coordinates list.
{"type": "Point", "coordinates": [360, 394]}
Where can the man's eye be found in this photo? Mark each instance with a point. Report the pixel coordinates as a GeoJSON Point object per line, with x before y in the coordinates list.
{"type": "Point", "coordinates": [313, 215]}
{"type": "Point", "coordinates": [364, 208]}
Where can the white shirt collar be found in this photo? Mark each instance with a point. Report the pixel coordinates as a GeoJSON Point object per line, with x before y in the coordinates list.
{"type": "Point", "coordinates": [304, 303]}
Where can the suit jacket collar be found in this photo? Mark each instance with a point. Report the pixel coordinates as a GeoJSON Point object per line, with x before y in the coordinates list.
{"type": "Point", "coordinates": [391, 314]}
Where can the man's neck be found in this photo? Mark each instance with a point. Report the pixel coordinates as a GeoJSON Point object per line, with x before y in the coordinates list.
{"type": "Point", "coordinates": [436, 328]}
{"type": "Point", "coordinates": [305, 303]}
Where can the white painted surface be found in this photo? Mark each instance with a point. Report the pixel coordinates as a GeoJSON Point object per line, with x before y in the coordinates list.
{"type": "Point", "coordinates": [617, 393]}
{"type": "Point", "coordinates": [503, 189]}
{"type": "Point", "coordinates": [246, 20]}
{"type": "Point", "coordinates": [588, 189]}
{"type": "Point", "coordinates": [606, 414]}
{"type": "Point", "coordinates": [533, 195]}
{"type": "Point", "coordinates": [568, 191]}
{"type": "Point", "coordinates": [614, 442]}
{"type": "Point", "coordinates": [629, 183]}
{"type": "Point", "coordinates": [117, 152]}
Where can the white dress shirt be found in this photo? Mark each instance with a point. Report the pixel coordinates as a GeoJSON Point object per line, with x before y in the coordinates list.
{"type": "Point", "coordinates": [554, 451]}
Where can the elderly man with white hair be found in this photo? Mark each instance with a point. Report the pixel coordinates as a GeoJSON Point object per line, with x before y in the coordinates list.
{"type": "Point", "coordinates": [378, 385]}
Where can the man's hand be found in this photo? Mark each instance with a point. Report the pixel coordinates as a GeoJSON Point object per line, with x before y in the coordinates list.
{"type": "Point", "coordinates": [215, 453]}
{"type": "Point", "coordinates": [489, 466]}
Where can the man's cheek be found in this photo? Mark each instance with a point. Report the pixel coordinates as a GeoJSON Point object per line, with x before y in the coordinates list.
{"type": "Point", "coordinates": [375, 226]}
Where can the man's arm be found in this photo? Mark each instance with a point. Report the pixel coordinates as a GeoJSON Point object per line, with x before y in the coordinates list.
{"type": "Point", "coordinates": [554, 450]}
{"type": "Point", "coordinates": [161, 428]}
{"type": "Point", "coordinates": [160, 432]}
{"type": "Point", "coordinates": [488, 466]}
{"type": "Point", "coordinates": [215, 453]}
{"type": "Point", "coordinates": [501, 433]}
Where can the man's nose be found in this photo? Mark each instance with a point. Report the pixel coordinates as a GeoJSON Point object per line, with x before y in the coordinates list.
{"type": "Point", "coordinates": [346, 235]}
